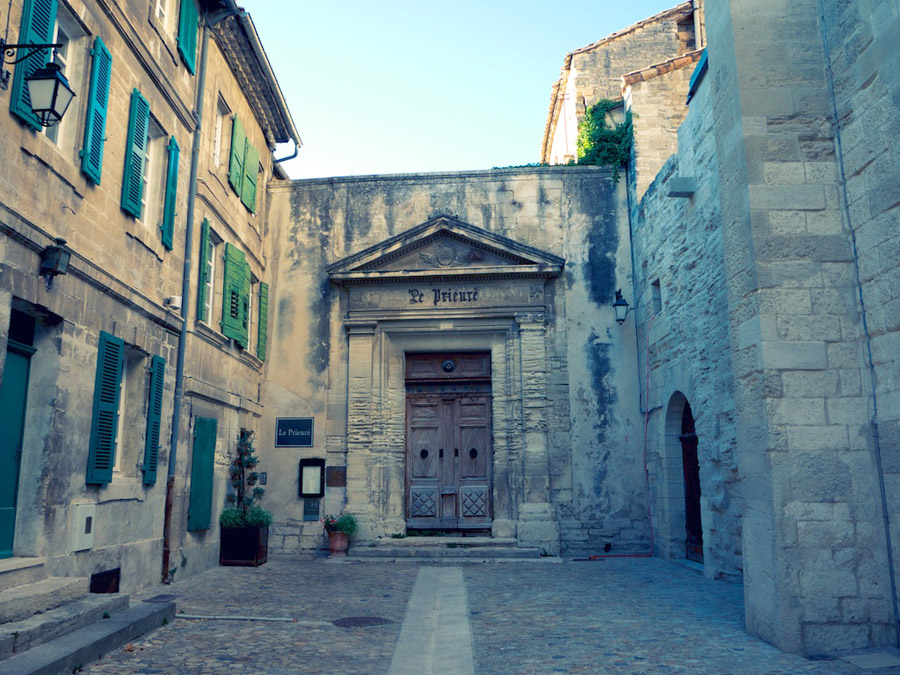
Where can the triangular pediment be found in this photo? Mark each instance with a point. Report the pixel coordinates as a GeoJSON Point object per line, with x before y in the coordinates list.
{"type": "Point", "coordinates": [445, 247]}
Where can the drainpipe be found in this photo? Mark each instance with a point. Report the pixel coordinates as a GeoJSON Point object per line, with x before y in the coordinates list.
{"type": "Point", "coordinates": [209, 20]}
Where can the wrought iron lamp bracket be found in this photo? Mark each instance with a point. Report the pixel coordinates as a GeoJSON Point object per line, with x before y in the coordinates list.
{"type": "Point", "coordinates": [8, 51]}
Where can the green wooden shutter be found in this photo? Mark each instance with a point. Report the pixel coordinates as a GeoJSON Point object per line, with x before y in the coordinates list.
{"type": "Point", "coordinates": [105, 420]}
{"type": "Point", "coordinates": [238, 150]}
{"type": "Point", "coordinates": [38, 22]}
{"type": "Point", "coordinates": [154, 419]}
{"type": "Point", "coordinates": [251, 174]}
{"type": "Point", "coordinates": [263, 319]}
{"type": "Point", "coordinates": [203, 286]}
{"type": "Point", "coordinates": [202, 463]}
{"type": "Point", "coordinates": [98, 104]}
{"type": "Point", "coordinates": [187, 33]}
{"type": "Point", "coordinates": [135, 154]}
{"type": "Point", "coordinates": [168, 222]}
{"type": "Point", "coordinates": [233, 295]}
{"type": "Point", "coordinates": [245, 307]}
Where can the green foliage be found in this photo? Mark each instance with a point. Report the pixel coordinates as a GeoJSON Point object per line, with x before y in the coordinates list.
{"type": "Point", "coordinates": [344, 523]}
{"type": "Point", "coordinates": [602, 145]}
{"type": "Point", "coordinates": [243, 510]}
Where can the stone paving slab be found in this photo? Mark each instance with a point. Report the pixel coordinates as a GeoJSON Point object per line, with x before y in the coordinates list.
{"type": "Point", "coordinates": [605, 616]}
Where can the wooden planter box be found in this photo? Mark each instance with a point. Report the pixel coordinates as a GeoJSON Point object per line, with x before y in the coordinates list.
{"type": "Point", "coordinates": [243, 546]}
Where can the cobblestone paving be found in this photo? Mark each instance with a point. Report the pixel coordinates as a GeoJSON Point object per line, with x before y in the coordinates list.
{"type": "Point", "coordinates": [628, 616]}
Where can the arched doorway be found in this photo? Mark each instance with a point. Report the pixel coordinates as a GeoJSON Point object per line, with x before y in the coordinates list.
{"type": "Point", "coordinates": [691, 467]}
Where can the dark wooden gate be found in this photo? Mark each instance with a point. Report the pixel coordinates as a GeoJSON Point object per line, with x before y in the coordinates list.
{"type": "Point", "coordinates": [448, 441]}
{"type": "Point", "coordinates": [693, 526]}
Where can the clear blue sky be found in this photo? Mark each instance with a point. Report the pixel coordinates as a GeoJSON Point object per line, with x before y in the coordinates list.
{"type": "Point", "coordinates": [405, 86]}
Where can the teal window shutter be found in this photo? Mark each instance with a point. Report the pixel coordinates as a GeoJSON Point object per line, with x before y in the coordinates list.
{"type": "Point", "coordinates": [168, 222]}
{"type": "Point", "coordinates": [235, 295]}
{"type": "Point", "coordinates": [135, 154]}
{"type": "Point", "coordinates": [251, 175]}
{"type": "Point", "coordinates": [188, 23]}
{"type": "Point", "coordinates": [202, 462]}
{"type": "Point", "coordinates": [236, 159]}
{"type": "Point", "coordinates": [203, 282]}
{"type": "Point", "coordinates": [105, 418]}
{"type": "Point", "coordinates": [38, 22]}
{"type": "Point", "coordinates": [263, 319]}
{"type": "Point", "coordinates": [154, 419]}
{"type": "Point", "coordinates": [98, 104]}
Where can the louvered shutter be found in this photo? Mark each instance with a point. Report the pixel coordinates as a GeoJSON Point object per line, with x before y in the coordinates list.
{"type": "Point", "coordinates": [105, 419]}
{"type": "Point", "coordinates": [38, 21]}
{"type": "Point", "coordinates": [135, 154]}
{"type": "Point", "coordinates": [203, 286]}
{"type": "Point", "coordinates": [245, 307]}
{"type": "Point", "coordinates": [200, 501]}
{"type": "Point", "coordinates": [187, 33]}
{"type": "Point", "coordinates": [98, 104]}
{"type": "Point", "coordinates": [168, 222]}
{"type": "Point", "coordinates": [233, 295]}
{"type": "Point", "coordinates": [236, 161]}
{"type": "Point", "coordinates": [154, 419]}
{"type": "Point", "coordinates": [263, 319]}
{"type": "Point", "coordinates": [251, 174]}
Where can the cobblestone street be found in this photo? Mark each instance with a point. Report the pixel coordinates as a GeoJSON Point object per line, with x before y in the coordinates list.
{"type": "Point", "coordinates": [613, 615]}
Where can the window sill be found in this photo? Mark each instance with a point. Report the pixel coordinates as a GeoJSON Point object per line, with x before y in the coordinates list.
{"type": "Point", "coordinates": [167, 40]}
{"type": "Point", "coordinates": [48, 153]}
{"type": "Point", "coordinates": [122, 488]}
{"type": "Point", "coordinates": [211, 334]}
{"type": "Point", "coordinates": [137, 230]}
{"type": "Point", "coordinates": [217, 339]}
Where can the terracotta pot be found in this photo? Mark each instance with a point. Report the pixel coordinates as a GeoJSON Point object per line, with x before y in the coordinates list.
{"type": "Point", "coordinates": [338, 543]}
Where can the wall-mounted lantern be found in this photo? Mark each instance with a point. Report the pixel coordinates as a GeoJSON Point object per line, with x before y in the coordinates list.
{"type": "Point", "coordinates": [620, 306]}
{"type": "Point", "coordinates": [55, 260]}
{"type": "Point", "coordinates": [48, 89]}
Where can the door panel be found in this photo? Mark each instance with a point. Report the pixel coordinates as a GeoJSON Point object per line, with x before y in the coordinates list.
{"type": "Point", "coordinates": [13, 392]}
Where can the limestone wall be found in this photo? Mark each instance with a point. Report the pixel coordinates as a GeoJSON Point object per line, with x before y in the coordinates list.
{"type": "Point", "coordinates": [593, 431]}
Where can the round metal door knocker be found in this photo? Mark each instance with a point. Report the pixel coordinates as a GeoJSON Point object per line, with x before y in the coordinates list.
{"type": "Point", "coordinates": [448, 366]}
{"type": "Point", "coordinates": [473, 453]}
{"type": "Point", "coordinates": [423, 454]}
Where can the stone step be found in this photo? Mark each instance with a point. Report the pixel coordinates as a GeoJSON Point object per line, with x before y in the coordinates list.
{"type": "Point", "coordinates": [20, 571]}
{"type": "Point", "coordinates": [443, 552]}
{"type": "Point", "coordinates": [71, 652]}
{"type": "Point", "coordinates": [19, 636]}
{"type": "Point", "coordinates": [26, 600]}
{"type": "Point", "coordinates": [449, 542]}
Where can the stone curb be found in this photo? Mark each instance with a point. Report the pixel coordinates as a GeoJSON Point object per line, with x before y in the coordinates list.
{"type": "Point", "coordinates": [84, 646]}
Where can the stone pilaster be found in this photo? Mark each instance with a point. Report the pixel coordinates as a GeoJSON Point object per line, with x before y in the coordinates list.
{"type": "Point", "coordinates": [359, 425]}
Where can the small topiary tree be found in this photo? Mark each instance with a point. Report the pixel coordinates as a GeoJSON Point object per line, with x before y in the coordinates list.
{"type": "Point", "coordinates": [243, 510]}
{"type": "Point", "coordinates": [602, 145]}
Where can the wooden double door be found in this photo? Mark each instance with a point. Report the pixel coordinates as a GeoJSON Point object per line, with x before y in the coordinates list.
{"type": "Point", "coordinates": [448, 460]}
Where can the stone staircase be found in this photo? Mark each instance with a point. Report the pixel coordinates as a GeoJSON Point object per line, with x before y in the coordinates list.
{"type": "Point", "coordinates": [54, 625]}
{"type": "Point", "coordinates": [451, 549]}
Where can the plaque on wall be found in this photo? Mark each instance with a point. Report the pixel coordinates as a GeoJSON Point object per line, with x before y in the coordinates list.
{"type": "Point", "coordinates": [336, 476]}
{"type": "Point", "coordinates": [293, 432]}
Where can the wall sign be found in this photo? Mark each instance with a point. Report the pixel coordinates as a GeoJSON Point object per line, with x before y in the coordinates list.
{"type": "Point", "coordinates": [293, 432]}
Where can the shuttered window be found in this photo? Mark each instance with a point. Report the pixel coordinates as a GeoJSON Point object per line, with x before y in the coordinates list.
{"type": "Point", "coordinates": [104, 421]}
{"type": "Point", "coordinates": [38, 21]}
{"type": "Point", "coordinates": [263, 318]}
{"type": "Point", "coordinates": [168, 221]}
{"type": "Point", "coordinates": [251, 173]}
{"type": "Point", "coordinates": [154, 419]}
{"type": "Point", "coordinates": [203, 283]}
{"type": "Point", "coordinates": [202, 462]}
{"type": "Point", "coordinates": [187, 34]}
{"type": "Point", "coordinates": [135, 154]}
{"type": "Point", "coordinates": [98, 104]}
{"type": "Point", "coordinates": [236, 159]}
{"type": "Point", "coordinates": [236, 296]}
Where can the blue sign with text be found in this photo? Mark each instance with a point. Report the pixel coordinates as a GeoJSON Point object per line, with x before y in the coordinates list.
{"type": "Point", "coordinates": [293, 432]}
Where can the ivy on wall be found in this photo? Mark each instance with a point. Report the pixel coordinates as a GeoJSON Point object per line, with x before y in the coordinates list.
{"type": "Point", "coordinates": [602, 145]}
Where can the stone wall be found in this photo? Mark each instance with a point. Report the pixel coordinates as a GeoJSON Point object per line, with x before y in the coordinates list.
{"type": "Point", "coordinates": [595, 72]}
{"type": "Point", "coordinates": [592, 428]}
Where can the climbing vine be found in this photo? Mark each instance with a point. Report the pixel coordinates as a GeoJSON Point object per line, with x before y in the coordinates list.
{"type": "Point", "coordinates": [600, 144]}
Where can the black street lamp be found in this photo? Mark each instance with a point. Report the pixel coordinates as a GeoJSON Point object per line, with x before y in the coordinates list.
{"type": "Point", "coordinates": [621, 307]}
{"type": "Point", "coordinates": [48, 89]}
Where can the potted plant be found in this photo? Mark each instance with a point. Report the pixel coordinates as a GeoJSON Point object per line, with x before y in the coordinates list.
{"type": "Point", "coordinates": [244, 525]}
{"type": "Point", "coordinates": [339, 529]}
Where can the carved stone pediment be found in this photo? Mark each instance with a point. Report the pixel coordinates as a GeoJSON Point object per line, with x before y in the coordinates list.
{"type": "Point", "coordinates": [445, 248]}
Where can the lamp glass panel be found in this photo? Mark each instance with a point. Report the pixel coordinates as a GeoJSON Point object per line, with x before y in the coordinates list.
{"type": "Point", "coordinates": [41, 92]}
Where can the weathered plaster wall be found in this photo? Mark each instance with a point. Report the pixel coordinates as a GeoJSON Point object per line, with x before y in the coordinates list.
{"type": "Point", "coordinates": [594, 436]}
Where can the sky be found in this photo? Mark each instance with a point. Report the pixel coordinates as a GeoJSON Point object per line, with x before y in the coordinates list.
{"type": "Point", "coordinates": [403, 86]}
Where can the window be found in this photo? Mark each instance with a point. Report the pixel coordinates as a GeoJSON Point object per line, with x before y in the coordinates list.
{"type": "Point", "coordinates": [243, 166]}
{"type": "Point", "coordinates": [164, 16]}
{"type": "Point", "coordinates": [210, 253]}
{"type": "Point", "coordinates": [236, 296]}
{"type": "Point", "coordinates": [222, 113]}
{"type": "Point", "coordinates": [251, 306]}
{"type": "Point", "coordinates": [136, 155]}
{"type": "Point", "coordinates": [95, 115]}
{"type": "Point", "coordinates": [130, 412]}
{"type": "Point", "coordinates": [70, 58]}
{"type": "Point", "coordinates": [153, 180]}
{"type": "Point", "coordinates": [656, 296]}
{"type": "Point", "coordinates": [188, 24]}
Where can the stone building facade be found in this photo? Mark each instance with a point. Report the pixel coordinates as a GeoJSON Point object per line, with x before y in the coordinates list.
{"type": "Point", "coordinates": [91, 356]}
